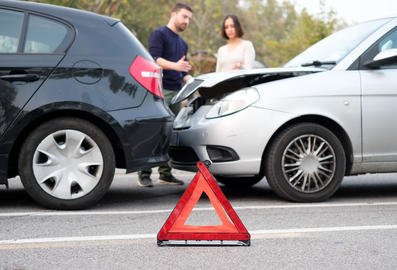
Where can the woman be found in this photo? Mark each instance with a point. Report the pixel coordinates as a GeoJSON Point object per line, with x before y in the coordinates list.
{"type": "Point", "coordinates": [237, 53]}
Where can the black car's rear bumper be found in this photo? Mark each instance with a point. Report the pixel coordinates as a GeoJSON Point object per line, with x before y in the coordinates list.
{"type": "Point", "coordinates": [148, 144]}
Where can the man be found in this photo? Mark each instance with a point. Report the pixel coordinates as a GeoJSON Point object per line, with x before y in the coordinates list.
{"type": "Point", "coordinates": [170, 50]}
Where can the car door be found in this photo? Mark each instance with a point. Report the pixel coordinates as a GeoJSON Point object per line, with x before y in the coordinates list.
{"type": "Point", "coordinates": [379, 104]}
{"type": "Point", "coordinates": [31, 46]}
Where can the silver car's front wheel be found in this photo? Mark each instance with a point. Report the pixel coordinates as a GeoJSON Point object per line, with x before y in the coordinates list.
{"type": "Point", "coordinates": [66, 163]}
{"type": "Point", "coordinates": [306, 162]}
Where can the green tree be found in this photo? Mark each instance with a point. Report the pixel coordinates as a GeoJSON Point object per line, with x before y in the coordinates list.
{"type": "Point", "coordinates": [277, 30]}
{"type": "Point", "coordinates": [106, 7]}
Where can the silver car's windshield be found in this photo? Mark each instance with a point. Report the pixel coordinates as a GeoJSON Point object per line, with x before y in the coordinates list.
{"type": "Point", "coordinates": [330, 50]}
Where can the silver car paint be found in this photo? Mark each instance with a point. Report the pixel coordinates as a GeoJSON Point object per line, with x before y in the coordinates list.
{"type": "Point", "coordinates": [278, 104]}
{"type": "Point", "coordinates": [379, 115]}
{"type": "Point", "coordinates": [298, 97]}
{"type": "Point", "coordinates": [223, 131]}
{"type": "Point", "coordinates": [362, 102]}
{"type": "Point", "coordinates": [211, 79]}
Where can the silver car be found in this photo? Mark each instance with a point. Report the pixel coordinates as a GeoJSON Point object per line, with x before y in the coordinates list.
{"type": "Point", "coordinates": [328, 113]}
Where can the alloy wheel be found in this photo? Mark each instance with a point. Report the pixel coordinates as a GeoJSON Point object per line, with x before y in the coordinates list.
{"type": "Point", "coordinates": [308, 163]}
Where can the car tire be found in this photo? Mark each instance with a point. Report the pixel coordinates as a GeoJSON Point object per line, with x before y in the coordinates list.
{"type": "Point", "coordinates": [66, 164]}
{"type": "Point", "coordinates": [306, 163]}
{"type": "Point", "coordinates": [238, 182]}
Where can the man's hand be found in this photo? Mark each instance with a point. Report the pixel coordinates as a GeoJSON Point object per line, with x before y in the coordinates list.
{"type": "Point", "coordinates": [187, 78]}
{"type": "Point", "coordinates": [183, 65]}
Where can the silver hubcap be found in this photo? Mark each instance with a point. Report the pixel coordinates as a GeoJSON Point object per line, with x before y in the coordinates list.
{"type": "Point", "coordinates": [67, 164]}
{"type": "Point", "coordinates": [308, 163]}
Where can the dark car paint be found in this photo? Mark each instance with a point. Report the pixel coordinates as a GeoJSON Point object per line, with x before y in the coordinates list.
{"type": "Point", "coordinates": [90, 81]}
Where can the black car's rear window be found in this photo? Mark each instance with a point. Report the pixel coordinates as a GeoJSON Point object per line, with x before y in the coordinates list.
{"type": "Point", "coordinates": [10, 30]}
{"type": "Point", "coordinates": [44, 35]}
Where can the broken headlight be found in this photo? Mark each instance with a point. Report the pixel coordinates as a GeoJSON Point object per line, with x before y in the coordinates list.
{"type": "Point", "coordinates": [234, 102]}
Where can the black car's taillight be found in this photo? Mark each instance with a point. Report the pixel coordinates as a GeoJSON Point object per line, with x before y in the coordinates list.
{"type": "Point", "coordinates": [148, 74]}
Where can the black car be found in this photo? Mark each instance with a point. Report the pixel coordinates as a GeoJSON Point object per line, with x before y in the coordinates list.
{"type": "Point", "coordinates": [79, 96]}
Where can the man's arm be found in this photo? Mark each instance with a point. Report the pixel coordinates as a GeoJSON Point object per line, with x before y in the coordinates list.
{"type": "Point", "coordinates": [181, 65]}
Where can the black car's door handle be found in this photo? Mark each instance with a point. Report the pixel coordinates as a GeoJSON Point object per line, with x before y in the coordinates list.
{"type": "Point", "coordinates": [20, 78]}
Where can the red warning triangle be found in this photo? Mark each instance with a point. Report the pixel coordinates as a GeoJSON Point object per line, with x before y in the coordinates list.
{"type": "Point", "coordinates": [175, 231]}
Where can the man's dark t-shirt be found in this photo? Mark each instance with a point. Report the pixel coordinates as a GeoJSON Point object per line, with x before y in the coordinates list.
{"type": "Point", "coordinates": [164, 43]}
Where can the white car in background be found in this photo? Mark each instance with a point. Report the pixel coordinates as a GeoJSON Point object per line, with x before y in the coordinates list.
{"type": "Point", "coordinates": [328, 113]}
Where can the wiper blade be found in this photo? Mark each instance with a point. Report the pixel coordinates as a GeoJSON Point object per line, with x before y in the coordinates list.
{"type": "Point", "coordinates": [317, 63]}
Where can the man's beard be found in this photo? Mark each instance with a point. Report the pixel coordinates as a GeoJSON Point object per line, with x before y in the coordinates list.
{"type": "Point", "coordinates": [181, 27]}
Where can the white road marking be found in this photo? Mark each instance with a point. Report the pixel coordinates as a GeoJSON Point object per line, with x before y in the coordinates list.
{"type": "Point", "coordinates": [161, 211]}
{"type": "Point", "coordinates": [256, 234]}
{"type": "Point", "coordinates": [325, 229]}
{"type": "Point", "coordinates": [77, 239]}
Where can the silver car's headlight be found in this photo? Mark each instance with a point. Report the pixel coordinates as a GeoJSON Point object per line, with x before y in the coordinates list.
{"type": "Point", "coordinates": [234, 102]}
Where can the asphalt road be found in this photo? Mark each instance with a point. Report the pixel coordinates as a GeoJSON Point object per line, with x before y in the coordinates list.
{"type": "Point", "coordinates": [356, 229]}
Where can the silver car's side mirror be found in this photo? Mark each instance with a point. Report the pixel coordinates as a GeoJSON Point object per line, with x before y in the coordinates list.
{"type": "Point", "coordinates": [387, 57]}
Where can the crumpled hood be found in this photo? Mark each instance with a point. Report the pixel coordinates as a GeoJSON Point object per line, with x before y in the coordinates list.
{"type": "Point", "coordinates": [213, 84]}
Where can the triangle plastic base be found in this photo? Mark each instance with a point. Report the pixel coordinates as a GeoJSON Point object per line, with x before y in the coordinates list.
{"type": "Point", "coordinates": [203, 243]}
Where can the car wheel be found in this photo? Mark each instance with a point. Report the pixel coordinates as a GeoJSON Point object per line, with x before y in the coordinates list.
{"type": "Point", "coordinates": [238, 182]}
{"type": "Point", "coordinates": [66, 164]}
{"type": "Point", "coordinates": [306, 163]}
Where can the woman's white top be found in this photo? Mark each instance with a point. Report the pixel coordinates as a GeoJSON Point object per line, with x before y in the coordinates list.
{"type": "Point", "coordinates": [240, 57]}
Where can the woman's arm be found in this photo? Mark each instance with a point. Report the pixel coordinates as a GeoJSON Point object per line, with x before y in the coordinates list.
{"type": "Point", "coordinates": [218, 60]}
{"type": "Point", "coordinates": [249, 55]}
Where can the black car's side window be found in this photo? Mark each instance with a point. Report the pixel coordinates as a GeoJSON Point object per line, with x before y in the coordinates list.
{"type": "Point", "coordinates": [387, 42]}
{"type": "Point", "coordinates": [10, 30]}
{"type": "Point", "coordinates": [44, 35]}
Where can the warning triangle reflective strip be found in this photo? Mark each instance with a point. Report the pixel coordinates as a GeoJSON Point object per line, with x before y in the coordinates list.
{"type": "Point", "coordinates": [175, 228]}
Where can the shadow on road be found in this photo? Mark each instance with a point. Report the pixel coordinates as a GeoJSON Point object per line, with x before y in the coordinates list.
{"type": "Point", "coordinates": [15, 199]}
{"type": "Point", "coordinates": [368, 187]}
{"type": "Point", "coordinates": [126, 193]}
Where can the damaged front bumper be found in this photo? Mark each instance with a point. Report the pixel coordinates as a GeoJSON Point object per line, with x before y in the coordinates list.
{"type": "Point", "coordinates": [222, 141]}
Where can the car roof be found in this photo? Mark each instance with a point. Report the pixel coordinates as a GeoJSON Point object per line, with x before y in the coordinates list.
{"type": "Point", "coordinates": [65, 13]}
